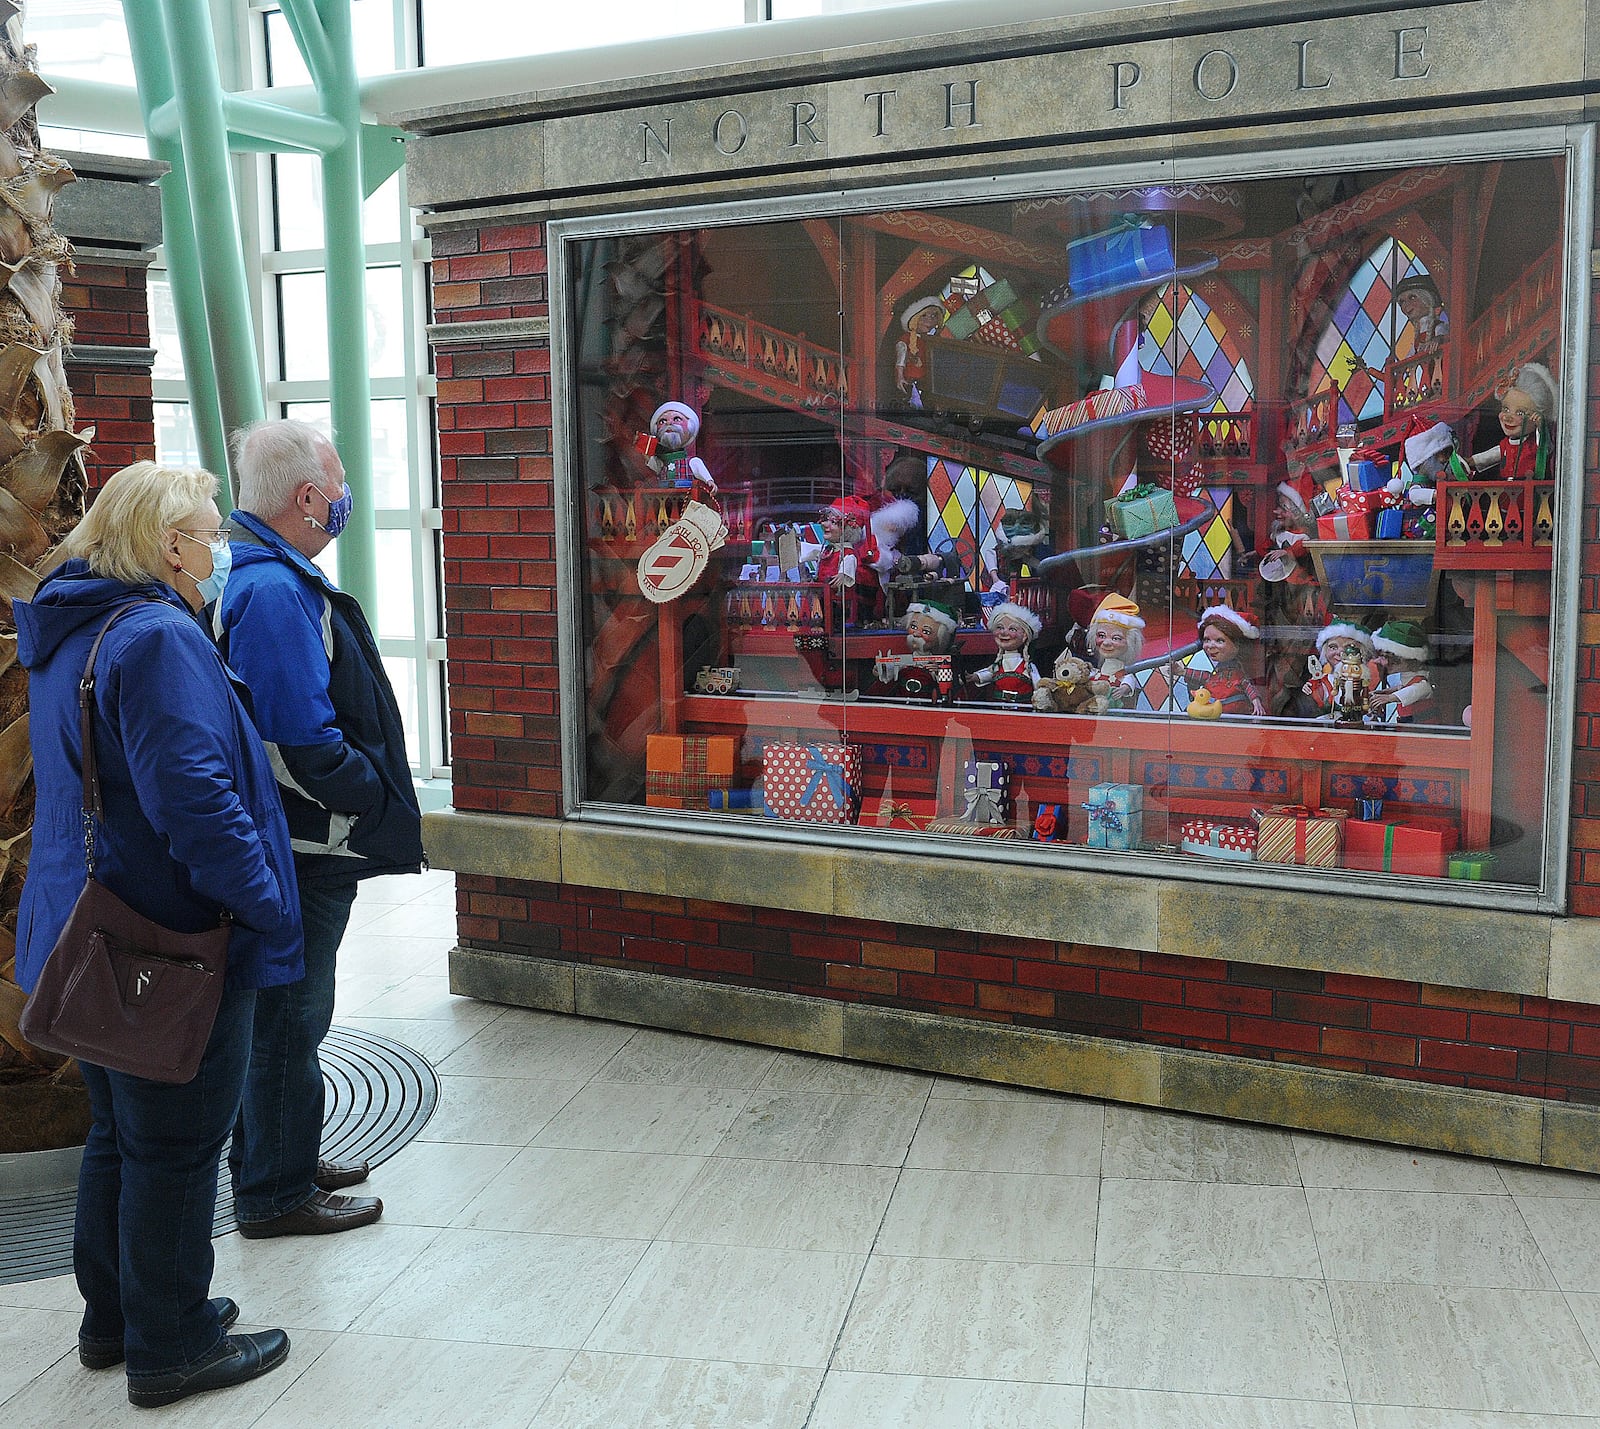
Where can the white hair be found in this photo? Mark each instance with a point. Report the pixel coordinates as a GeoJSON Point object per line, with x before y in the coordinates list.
{"type": "Point", "coordinates": [272, 459]}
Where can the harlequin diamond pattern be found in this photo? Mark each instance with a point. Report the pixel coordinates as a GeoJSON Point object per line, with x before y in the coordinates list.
{"type": "Point", "coordinates": [965, 504]}
{"type": "Point", "coordinates": [1366, 327]}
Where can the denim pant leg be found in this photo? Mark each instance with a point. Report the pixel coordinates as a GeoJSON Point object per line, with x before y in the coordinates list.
{"type": "Point", "coordinates": [274, 1158]}
{"type": "Point", "coordinates": [147, 1196]}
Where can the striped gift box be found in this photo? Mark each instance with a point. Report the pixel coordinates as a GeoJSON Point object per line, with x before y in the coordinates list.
{"type": "Point", "coordinates": [681, 769]}
{"type": "Point", "coordinates": [1297, 833]}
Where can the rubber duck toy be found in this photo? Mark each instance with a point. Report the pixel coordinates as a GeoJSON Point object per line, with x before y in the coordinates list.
{"type": "Point", "coordinates": [1204, 705]}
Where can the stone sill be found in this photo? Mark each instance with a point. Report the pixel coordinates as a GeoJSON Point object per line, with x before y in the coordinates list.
{"type": "Point", "coordinates": [1527, 954]}
{"type": "Point", "coordinates": [1452, 1119]}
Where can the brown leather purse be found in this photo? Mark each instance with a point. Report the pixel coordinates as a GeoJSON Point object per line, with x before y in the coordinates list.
{"type": "Point", "coordinates": [119, 990]}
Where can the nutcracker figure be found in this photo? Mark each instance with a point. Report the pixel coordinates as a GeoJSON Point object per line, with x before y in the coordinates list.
{"type": "Point", "coordinates": [1343, 672]}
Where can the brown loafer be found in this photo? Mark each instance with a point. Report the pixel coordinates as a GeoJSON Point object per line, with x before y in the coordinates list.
{"type": "Point", "coordinates": [336, 1175]}
{"type": "Point", "coordinates": [323, 1214]}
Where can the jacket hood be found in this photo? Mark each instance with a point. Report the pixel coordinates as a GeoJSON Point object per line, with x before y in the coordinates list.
{"type": "Point", "coordinates": [71, 597]}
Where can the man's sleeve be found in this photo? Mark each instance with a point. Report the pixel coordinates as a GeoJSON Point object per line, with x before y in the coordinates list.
{"type": "Point", "coordinates": [275, 645]}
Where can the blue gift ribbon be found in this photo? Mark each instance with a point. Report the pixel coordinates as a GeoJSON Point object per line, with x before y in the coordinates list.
{"type": "Point", "coordinates": [822, 771]}
{"type": "Point", "coordinates": [1109, 819]}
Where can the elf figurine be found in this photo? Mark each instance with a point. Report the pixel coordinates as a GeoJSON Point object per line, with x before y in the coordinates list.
{"type": "Point", "coordinates": [1115, 639]}
{"type": "Point", "coordinates": [1226, 688]}
{"type": "Point", "coordinates": [1431, 455]}
{"type": "Point", "coordinates": [921, 320]}
{"type": "Point", "coordinates": [1022, 541]}
{"type": "Point", "coordinates": [1403, 692]}
{"type": "Point", "coordinates": [1012, 675]}
{"type": "Point", "coordinates": [1526, 414]}
{"type": "Point", "coordinates": [673, 428]}
{"type": "Point", "coordinates": [848, 563]}
{"type": "Point", "coordinates": [1343, 672]}
{"type": "Point", "coordinates": [1418, 298]}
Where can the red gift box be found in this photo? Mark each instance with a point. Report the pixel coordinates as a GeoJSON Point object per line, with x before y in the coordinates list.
{"type": "Point", "coordinates": [1362, 503]}
{"type": "Point", "coordinates": [1421, 846]}
{"type": "Point", "coordinates": [1345, 526]}
{"type": "Point", "coordinates": [813, 783]}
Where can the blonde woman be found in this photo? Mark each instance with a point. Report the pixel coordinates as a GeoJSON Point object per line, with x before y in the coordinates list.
{"type": "Point", "coordinates": [191, 825]}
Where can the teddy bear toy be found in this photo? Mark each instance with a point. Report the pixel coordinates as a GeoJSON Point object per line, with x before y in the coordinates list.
{"type": "Point", "coordinates": [1069, 689]}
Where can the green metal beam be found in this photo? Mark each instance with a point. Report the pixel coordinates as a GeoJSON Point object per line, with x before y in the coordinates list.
{"type": "Point", "coordinates": [278, 126]}
{"type": "Point", "coordinates": [147, 36]}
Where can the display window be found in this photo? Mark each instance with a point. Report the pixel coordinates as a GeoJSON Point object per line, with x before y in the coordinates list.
{"type": "Point", "coordinates": [1209, 522]}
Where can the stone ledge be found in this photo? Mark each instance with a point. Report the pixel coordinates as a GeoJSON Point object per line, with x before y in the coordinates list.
{"type": "Point", "coordinates": [1522, 953]}
{"type": "Point", "coordinates": [1451, 1119]}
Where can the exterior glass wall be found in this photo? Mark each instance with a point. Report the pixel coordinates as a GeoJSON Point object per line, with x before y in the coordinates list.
{"type": "Point", "coordinates": [1210, 520]}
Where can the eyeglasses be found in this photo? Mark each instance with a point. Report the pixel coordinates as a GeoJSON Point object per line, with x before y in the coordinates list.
{"type": "Point", "coordinates": [1507, 409]}
{"type": "Point", "coordinates": [216, 540]}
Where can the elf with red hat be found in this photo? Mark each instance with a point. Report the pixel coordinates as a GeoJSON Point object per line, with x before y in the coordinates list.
{"type": "Point", "coordinates": [848, 563]}
{"type": "Point", "coordinates": [1225, 633]}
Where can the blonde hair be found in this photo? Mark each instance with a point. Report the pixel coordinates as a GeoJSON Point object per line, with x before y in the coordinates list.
{"type": "Point", "coordinates": [124, 535]}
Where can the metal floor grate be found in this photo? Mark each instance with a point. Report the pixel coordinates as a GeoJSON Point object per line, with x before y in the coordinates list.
{"type": "Point", "coordinates": [380, 1096]}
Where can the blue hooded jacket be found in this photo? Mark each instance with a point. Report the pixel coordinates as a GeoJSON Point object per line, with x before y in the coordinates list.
{"type": "Point", "coordinates": [192, 821]}
{"type": "Point", "coordinates": [322, 700]}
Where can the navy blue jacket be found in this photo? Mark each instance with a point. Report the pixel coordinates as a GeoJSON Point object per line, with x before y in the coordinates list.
{"type": "Point", "coordinates": [192, 818]}
{"type": "Point", "coordinates": [322, 701]}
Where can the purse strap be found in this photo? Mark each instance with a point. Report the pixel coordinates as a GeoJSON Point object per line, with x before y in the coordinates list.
{"type": "Point", "coordinates": [92, 807]}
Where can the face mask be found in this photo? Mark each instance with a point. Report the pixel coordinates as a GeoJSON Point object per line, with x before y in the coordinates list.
{"type": "Point", "coordinates": [212, 585]}
{"type": "Point", "coordinates": [339, 511]}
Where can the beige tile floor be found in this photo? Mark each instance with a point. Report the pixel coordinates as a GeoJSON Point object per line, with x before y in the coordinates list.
{"type": "Point", "coordinates": [606, 1227]}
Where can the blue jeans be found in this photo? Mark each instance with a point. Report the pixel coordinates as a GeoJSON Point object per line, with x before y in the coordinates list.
{"type": "Point", "coordinates": [274, 1157]}
{"type": "Point", "coordinates": [141, 1244]}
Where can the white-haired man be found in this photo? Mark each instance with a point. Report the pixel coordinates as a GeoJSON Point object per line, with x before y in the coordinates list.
{"type": "Point", "coordinates": [328, 714]}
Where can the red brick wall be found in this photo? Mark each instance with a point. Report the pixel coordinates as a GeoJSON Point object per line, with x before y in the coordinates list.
{"type": "Point", "coordinates": [110, 307]}
{"type": "Point", "coordinates": [494, 409]}
{"type": "Point", "coordinates": [499, 527]}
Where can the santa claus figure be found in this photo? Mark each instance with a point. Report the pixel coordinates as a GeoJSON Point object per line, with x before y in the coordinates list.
{"type": "Point", "coordinates": [673, 428]}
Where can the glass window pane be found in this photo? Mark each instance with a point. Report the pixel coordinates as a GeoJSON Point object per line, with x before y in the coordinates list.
{"type": "Point", "coordinates": [371, 36]}
{"type": "Point", "coordinates": [297, 202]}
{"type": "Point", "coordinates": [303, 314]}
{"type": "Point", "coordinates": [1079, 522]}
{"type": "Point", "coordinates": [284, 64]}
{"type": "Point", "coordinates": [164, 331]}
{"type": "Point", "coordinates": [402, 674]}
{"type": "Point", "coordinates": [396, 586]}
{"type": "Point", "coordinates": [453, 31]}
{"type": "Point", "coordinates": [303, 318]}
{"type": "Point", "coordinates": [176, 443]}
{"type": "Point", "coordinates": [391, 445]}
{"type": "Point", "coordinates": [87, 39]}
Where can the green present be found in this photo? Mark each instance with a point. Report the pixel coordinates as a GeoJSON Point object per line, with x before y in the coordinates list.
{"type": "Point", "coordinates": [962, 323]}
{"type": "Point", "coordinates": [1476, 866]}
{"type": "Point", "coordinates": [999, 295]}
{"type": "Point", "coordinates": [1142, 512]}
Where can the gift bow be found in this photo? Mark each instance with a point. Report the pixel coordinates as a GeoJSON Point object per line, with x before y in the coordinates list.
{"type": "Point", "coordinates": [1373, 454]}
{"type": "Point", "coordinates": [821, 770]}
{"type": "Point", "coordinates": [1142, 492]}
{"type": "Point", "coordinates": [1109, 819]}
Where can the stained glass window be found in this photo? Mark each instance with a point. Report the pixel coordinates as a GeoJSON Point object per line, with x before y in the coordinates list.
{"type": "Point", "coordinates": [1366, 331]}
{"type": "Point", "coordinates": [965, 505]}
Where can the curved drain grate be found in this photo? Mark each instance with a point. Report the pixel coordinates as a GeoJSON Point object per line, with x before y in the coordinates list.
{"type": "Point", "coordinates": [380, 1096]}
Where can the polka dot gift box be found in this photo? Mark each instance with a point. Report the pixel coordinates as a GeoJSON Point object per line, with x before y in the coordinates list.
{"type": "Point", "coordinates": [812, 783]}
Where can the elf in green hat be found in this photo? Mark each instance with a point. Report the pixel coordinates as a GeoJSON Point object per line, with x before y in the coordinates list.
{"type": "Point", "coordinates": [1403, 693]}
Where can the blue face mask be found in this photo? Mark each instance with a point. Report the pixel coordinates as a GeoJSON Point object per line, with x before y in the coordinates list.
{"type": "Point", "coordinates": [211, 586]}
{"type": "Point", "coordinates": [339, 511]}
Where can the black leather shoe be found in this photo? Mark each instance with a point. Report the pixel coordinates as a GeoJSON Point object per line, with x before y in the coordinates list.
{"type": "Point", "coordinates": [336, 1175]}
{"type": "Point", "coordinates": [323, 1214]}
{"type": "Point", "coordinates": [236, 1359]}
{"type": "Point", "coordinates": [103, 1354]}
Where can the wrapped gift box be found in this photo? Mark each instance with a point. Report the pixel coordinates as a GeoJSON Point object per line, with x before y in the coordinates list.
{"type": "Point", "coordinates": [1362, 503]}
{"type": "Point", "coordinates": [986, 791]}
{"type": "Point", "coordinates": [1369, 469]}
{"type": "Point", "coordinates": [1142, 512]}
{"type": "Point", "coordinates": [1476, 866]}
{"type": "Point", "coordinates": [1116, 816]}
{"type": "Point", "coordinates": [681, 770]}
{"type": "Point", "coordinates": [1049, 824]}
{"type": "Point", "coordinates": [1418, 845]}
{"type": "Point", "coordinates": [1390, 524]}
{"type": "Point", "coordinates": [813, 783]}
{"type": "Point", "coordinates": [1212, 839]}
{"type": "Point", "coordinates": [1344, 526]}
{"type": "Point", "coordinates": [970, 830]}
{"type": "Point", "coordinates": [1296, 833]}
{"type": "Point", "coordinates": [892, 812]}
{"type": "Point", "coordinates": [1118, 257]}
